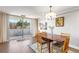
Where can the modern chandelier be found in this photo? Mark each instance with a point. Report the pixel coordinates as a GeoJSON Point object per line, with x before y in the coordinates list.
{"type": "Point", "coordinates": [51, 14]}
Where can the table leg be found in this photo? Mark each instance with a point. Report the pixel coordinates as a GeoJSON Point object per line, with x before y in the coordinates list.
{"type": "Point", "coordinates": [48, 44]}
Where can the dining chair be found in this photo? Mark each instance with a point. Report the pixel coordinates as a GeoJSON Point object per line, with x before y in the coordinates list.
{"type": "Point", "coordinates": [43, 33]}
{"type": "Point", "coordinates": [40, 41]}
{"type": "Point", "coordinates": [66, 42]}
{"type": "Point", "coordinates": [62, 46]}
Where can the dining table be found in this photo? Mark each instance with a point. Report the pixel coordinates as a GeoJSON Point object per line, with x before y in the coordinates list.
{"type": "Point", "coordinates": [52, 37]}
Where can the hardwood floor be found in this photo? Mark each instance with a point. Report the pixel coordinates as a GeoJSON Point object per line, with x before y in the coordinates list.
{"type": "Point", "coordinates": [15, 46]}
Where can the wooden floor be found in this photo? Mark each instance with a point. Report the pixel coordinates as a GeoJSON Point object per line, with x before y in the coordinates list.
{"type": "Point", "coordinates": [15, 46]}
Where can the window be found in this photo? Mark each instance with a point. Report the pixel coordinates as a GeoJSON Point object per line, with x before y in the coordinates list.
{"type": "Point", "coordinates": [18, 27]}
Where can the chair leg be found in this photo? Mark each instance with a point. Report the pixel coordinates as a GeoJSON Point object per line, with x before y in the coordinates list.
{"type": "Point", "coordinates": [65, 51]}
{"type": "Point", "coordinates": [39, 47]}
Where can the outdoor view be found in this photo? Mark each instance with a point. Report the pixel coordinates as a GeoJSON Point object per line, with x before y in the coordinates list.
{"type": "Point", "coordinates": [18, 28]}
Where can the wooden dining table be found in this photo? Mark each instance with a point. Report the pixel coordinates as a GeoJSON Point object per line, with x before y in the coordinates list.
{"type": "Point", "coordinates": [49, 37]}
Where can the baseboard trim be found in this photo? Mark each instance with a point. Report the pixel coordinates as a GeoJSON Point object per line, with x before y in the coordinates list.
{"type": "Point", "coordinates": [75, 47]}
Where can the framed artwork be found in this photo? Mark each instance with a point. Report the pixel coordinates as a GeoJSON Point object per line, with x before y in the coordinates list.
{"type": "Point", "coordinates": [59, 22]}
{"type": "Point", "coordinates": [43, 26]}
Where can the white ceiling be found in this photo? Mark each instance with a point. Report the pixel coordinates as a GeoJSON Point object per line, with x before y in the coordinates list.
{"type": "Point", "coordinates": [34, 11]}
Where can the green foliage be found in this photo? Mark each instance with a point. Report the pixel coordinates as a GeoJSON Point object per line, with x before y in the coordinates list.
{"type": "Point", "coordinates": [22, 24]}
{"type": "Point", "coordinates": [19, 23]}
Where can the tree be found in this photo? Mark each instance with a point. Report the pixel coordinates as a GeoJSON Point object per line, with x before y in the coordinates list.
{"type": "Point", "coordinates": [22, 24]}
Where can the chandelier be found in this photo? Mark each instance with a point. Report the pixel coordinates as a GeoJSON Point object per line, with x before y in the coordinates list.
{"type": "Point", "coordinates": [51, 14]}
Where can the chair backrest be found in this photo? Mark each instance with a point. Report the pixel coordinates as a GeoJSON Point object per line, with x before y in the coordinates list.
{"type": "Point", "coordinates": [44, 33]}
{"type": "Point", "coordinates": [66, 41]}
{"type": "Point", "coordinates": [38, 38]}
{"type": "Point", "coordinates": [66, 45]}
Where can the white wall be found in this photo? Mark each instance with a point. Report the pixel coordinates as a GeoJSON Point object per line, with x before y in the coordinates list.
{"type": "Point", "coordinates": [71, 23]}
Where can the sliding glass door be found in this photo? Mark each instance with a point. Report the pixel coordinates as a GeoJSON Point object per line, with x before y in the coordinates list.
{"type": "Point", "coordinates": [18, 28]}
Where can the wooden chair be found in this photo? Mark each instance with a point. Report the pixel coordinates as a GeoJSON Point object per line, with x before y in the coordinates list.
{"type": "Point", "coordinates": [63, 46]}
{"type": "Point", "coordinates": [66, 42]}
{"type": "Point", "coordinates": [39, 41]}
{"type": "Point", "coordinates": [44, 33]}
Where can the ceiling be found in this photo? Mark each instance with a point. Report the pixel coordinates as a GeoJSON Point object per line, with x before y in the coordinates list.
{"type": "Point", "coordinates": [35, 11]}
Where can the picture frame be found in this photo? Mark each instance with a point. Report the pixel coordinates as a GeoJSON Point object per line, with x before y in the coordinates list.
{"type": "Point", "coordinates": [43, 26]}
{"type": "Point", "coordinates": [59, 22]}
